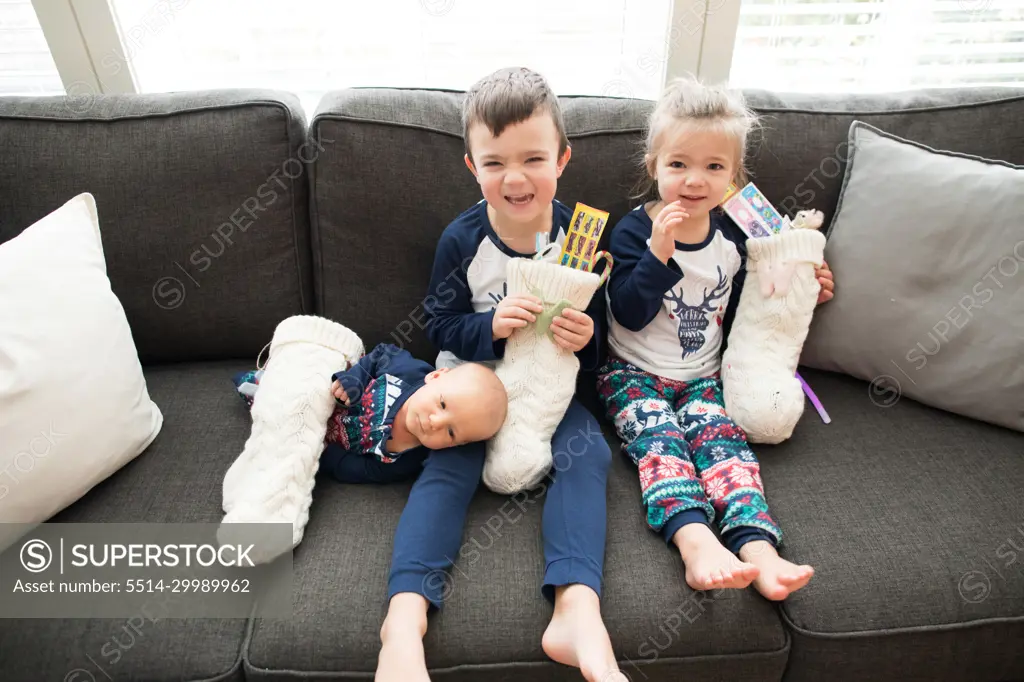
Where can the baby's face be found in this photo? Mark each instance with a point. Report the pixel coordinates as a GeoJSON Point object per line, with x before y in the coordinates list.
{"type": "Point", "coordinates": [457, 407]}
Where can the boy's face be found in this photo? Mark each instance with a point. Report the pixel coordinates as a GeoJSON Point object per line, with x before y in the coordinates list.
{"type": "Point", "coordinates": [456, 407]}
{"type": "Point", "coordinates": [518, 170]}
{"type": "Point", "coordinates": [695, 169]}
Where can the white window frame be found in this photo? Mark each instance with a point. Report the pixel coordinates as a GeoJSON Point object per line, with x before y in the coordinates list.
{"type": "Point", "coordinates": [82, 36]}
{"type": "Point", "coordinates": [702, 36]}
{"type": "Point", "coordinates": [90, 57]}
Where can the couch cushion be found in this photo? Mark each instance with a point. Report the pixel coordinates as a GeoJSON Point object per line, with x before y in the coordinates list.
{"type": "Point", "coordinates": [491, 626]}
{"type": "Point", "coordinates": [914, 521]}
{"type": "Point", "coordinates": [799, 158]}
{"type": "Point", "coordinates": [202, 198]}
{"type": "Point", "coordinates": [392, 178]}
{"type": "Point", "coordinates": [177, 479]}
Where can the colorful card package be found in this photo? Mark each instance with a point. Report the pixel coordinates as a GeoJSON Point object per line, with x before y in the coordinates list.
{"type": "Point", "coordinates": [752, 212]}
{"type": "Point", "coordinates": [585, 230]}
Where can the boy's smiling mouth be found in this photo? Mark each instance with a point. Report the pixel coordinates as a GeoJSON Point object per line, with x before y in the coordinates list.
{"type": "Point", "coordinates": [518, 199]}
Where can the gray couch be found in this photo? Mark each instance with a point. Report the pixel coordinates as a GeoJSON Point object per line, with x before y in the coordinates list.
{"type": "Point", "coordinates": [223, 212]}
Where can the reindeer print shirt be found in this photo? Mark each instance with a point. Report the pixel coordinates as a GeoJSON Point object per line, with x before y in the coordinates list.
{"type": "Point", "coordinates": [671, 320]}
{"type": "Point", "coordinates": [468, 282]}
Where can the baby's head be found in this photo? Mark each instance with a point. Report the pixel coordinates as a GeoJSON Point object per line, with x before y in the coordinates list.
{"type": "Point", "coordinates": [515, 142]}
{"type": "Point", "coordinates": [696, 144]}
{"type": "Point", "coordinates": [457, 406]}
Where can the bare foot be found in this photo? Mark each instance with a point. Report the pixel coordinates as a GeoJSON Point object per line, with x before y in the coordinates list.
{"type": "Point", "coordinates": [401, 657]}
{"type": "Point", "coordinates": [576, 635]}
{"type": "Point", "coordinates": [779, 578]}
{"type": "Point", "coordinates": [709, 565]}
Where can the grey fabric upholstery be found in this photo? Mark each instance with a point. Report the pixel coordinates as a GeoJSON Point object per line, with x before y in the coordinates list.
{"type": "Point", "coordinates": [495, 614]}
{"type": "Point", "coordinates": [170, 173]}
{"type": "Point", "coordinates": [393, 178]}
{"type": "Point", "coordinates": [914, 522]}
{"type": "Point", "coordinates": [799, 157]}
{"type": "Point", "coordinates": [176, 480]}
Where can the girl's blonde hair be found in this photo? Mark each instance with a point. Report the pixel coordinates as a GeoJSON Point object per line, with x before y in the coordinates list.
{"type": "Point", "coordinates": [687, 104]}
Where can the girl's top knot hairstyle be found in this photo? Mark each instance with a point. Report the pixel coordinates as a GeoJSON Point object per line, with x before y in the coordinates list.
{"type": "Point", "coordinates": [689, 106]}
{"type": "Point", "coordinates": [509, 96]}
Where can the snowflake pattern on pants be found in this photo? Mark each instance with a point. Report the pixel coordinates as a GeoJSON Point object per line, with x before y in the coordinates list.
{"type": "Point", "coordinates": [689, 453]}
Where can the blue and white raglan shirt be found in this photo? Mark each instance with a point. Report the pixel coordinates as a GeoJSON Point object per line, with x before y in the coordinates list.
{"type": "Point", "coordinates": [468, 282]}
{"type": "Point", "coordinates": [377, 386]}
{"type": "Point", "coordinates": [672, 319]}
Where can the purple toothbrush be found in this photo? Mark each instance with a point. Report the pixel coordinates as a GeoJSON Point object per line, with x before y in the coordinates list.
{"type": "Point", "coordinates": [814, 400]}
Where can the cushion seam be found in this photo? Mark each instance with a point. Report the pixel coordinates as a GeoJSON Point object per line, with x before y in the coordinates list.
{"type": "Point", "coordinates": [288, 121]}
{"type": "Point", "coordinates": [889, 112]}
{"type": "Point", "coordinates": [315, 235]}
{"type": "Point", "coordinates": [348, 118]}
{"type": "Point", "coordinates": [530, 664]}
{"type": "Point", "coordinates": [857, 634]}
{"type": "Point", "coordinates": [787, 641]}
{"type": "Point", "coordinates": [153, 114]}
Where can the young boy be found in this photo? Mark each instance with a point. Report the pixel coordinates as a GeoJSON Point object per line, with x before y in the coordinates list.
{"type": "Point", "coordinates": [394, 409]}
{"type": "Point", "coordinates": [516, 148]}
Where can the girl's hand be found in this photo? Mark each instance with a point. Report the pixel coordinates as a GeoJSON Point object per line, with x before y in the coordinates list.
{"type": "Point", "coordinates": [824, 277]}
{"type": "Point", "coordinates": [514, 312]}
{"type": "Point", "coordinates": [572, 329]}
{"type": "Point", "coordinates": [663, 243]}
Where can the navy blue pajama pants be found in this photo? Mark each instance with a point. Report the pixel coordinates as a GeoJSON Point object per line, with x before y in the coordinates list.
{"type": "Point", "coordinates": [574, 518]}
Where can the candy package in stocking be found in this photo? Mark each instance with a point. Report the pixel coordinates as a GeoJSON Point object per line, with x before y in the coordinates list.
{"type": "Point", "coordinates": [539, 375]}
{"type": "Point", "coordinates": [762, 393]}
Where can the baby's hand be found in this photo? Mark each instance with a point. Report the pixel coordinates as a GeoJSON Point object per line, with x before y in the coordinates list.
{"type": "Point", "coordinates": [573, 330]}
{"type": "Point", "coordinates": [663, 241]}
{"type": "Point", "coordinates": [514, 312]}
{"type": "Point", "coordinates": [824, 277]}
{"type": "Point", "coordinates": [339, 393]}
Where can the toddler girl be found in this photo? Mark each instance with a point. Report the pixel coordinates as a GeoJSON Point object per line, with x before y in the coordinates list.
{"type": "Point", "coordinates": [679, 269]}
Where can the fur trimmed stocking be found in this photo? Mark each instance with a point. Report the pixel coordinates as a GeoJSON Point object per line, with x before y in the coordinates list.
{"type": "Point", "coordinates": [539, 375]}
{"type": "Point", "coordinates": [272, 480]}
{"type": "Point", "coordinates": [762, 393]}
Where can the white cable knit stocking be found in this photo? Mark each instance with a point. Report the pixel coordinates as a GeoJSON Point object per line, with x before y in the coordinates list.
{"type": "Point", "coordinates": [539, 376]}
{"type": "Point", "coordinates": [272, 480]}
{"type": "Point", "coordinates": [762, 394]}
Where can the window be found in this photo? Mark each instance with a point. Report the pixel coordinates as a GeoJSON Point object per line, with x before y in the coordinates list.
{"type": "Point", "coordinates": [593, 47]}
{"type": "Point", "coordinates": [878, 45]}
{"type": "Point", "coordinates": [26, 67]}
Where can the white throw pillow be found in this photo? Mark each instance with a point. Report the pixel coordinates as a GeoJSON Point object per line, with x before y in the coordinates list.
{"type": "Point", "coordinates": [74, 407]}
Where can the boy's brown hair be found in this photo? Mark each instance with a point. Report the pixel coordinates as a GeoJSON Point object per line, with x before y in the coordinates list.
{"type": "Point", "coordinates": [509, 96]}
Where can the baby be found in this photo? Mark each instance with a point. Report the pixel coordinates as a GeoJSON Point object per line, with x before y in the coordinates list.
{"type": "Point", "coordinates": [393, 409]}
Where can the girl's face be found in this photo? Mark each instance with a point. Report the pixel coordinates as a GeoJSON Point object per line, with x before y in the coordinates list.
{"type": "Point", "coordinates": [694, 168]}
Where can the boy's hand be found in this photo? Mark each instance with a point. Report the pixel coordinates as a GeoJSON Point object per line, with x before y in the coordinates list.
{"type": "Point", "coordinates": [663, 242]}
{"type": "Point", "coordinates": [572, 329]}
{"type": "Point", "coordinates": [339, 393]}
{"type": "Point", "coordinates": [824, 277]}
{"type": "Point", "coordinates": [514, 312]}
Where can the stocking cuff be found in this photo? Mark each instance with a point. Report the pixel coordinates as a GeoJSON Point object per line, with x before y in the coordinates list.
{"type": "Point", "coordinates": [553, 282]}
{"type": "Point", "coordinates": [807, 246]}
{"type": "Point", "coordinates": [318, 330]}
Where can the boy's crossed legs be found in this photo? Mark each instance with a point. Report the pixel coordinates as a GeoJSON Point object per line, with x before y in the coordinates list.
{"type": "Point", "coordinates": [574, 525]}
{"type": "Point", "coordinates": [694, 464]}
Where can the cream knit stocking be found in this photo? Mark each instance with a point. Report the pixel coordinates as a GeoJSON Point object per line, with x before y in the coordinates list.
{"type": "Point", "coordinates": [539, 375]}
{"type": "Point", "coordinates": [272, 480]}
{"type": "Point", "coordinates": [762, 394]}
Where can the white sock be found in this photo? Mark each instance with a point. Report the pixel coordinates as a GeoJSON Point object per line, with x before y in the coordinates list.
{"type": "Point", "coordinates": [539, 376]}
{"type": "Point", "coordinates": [272, 480]}
{"type": "Point", "coordinates": [762, 394]}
